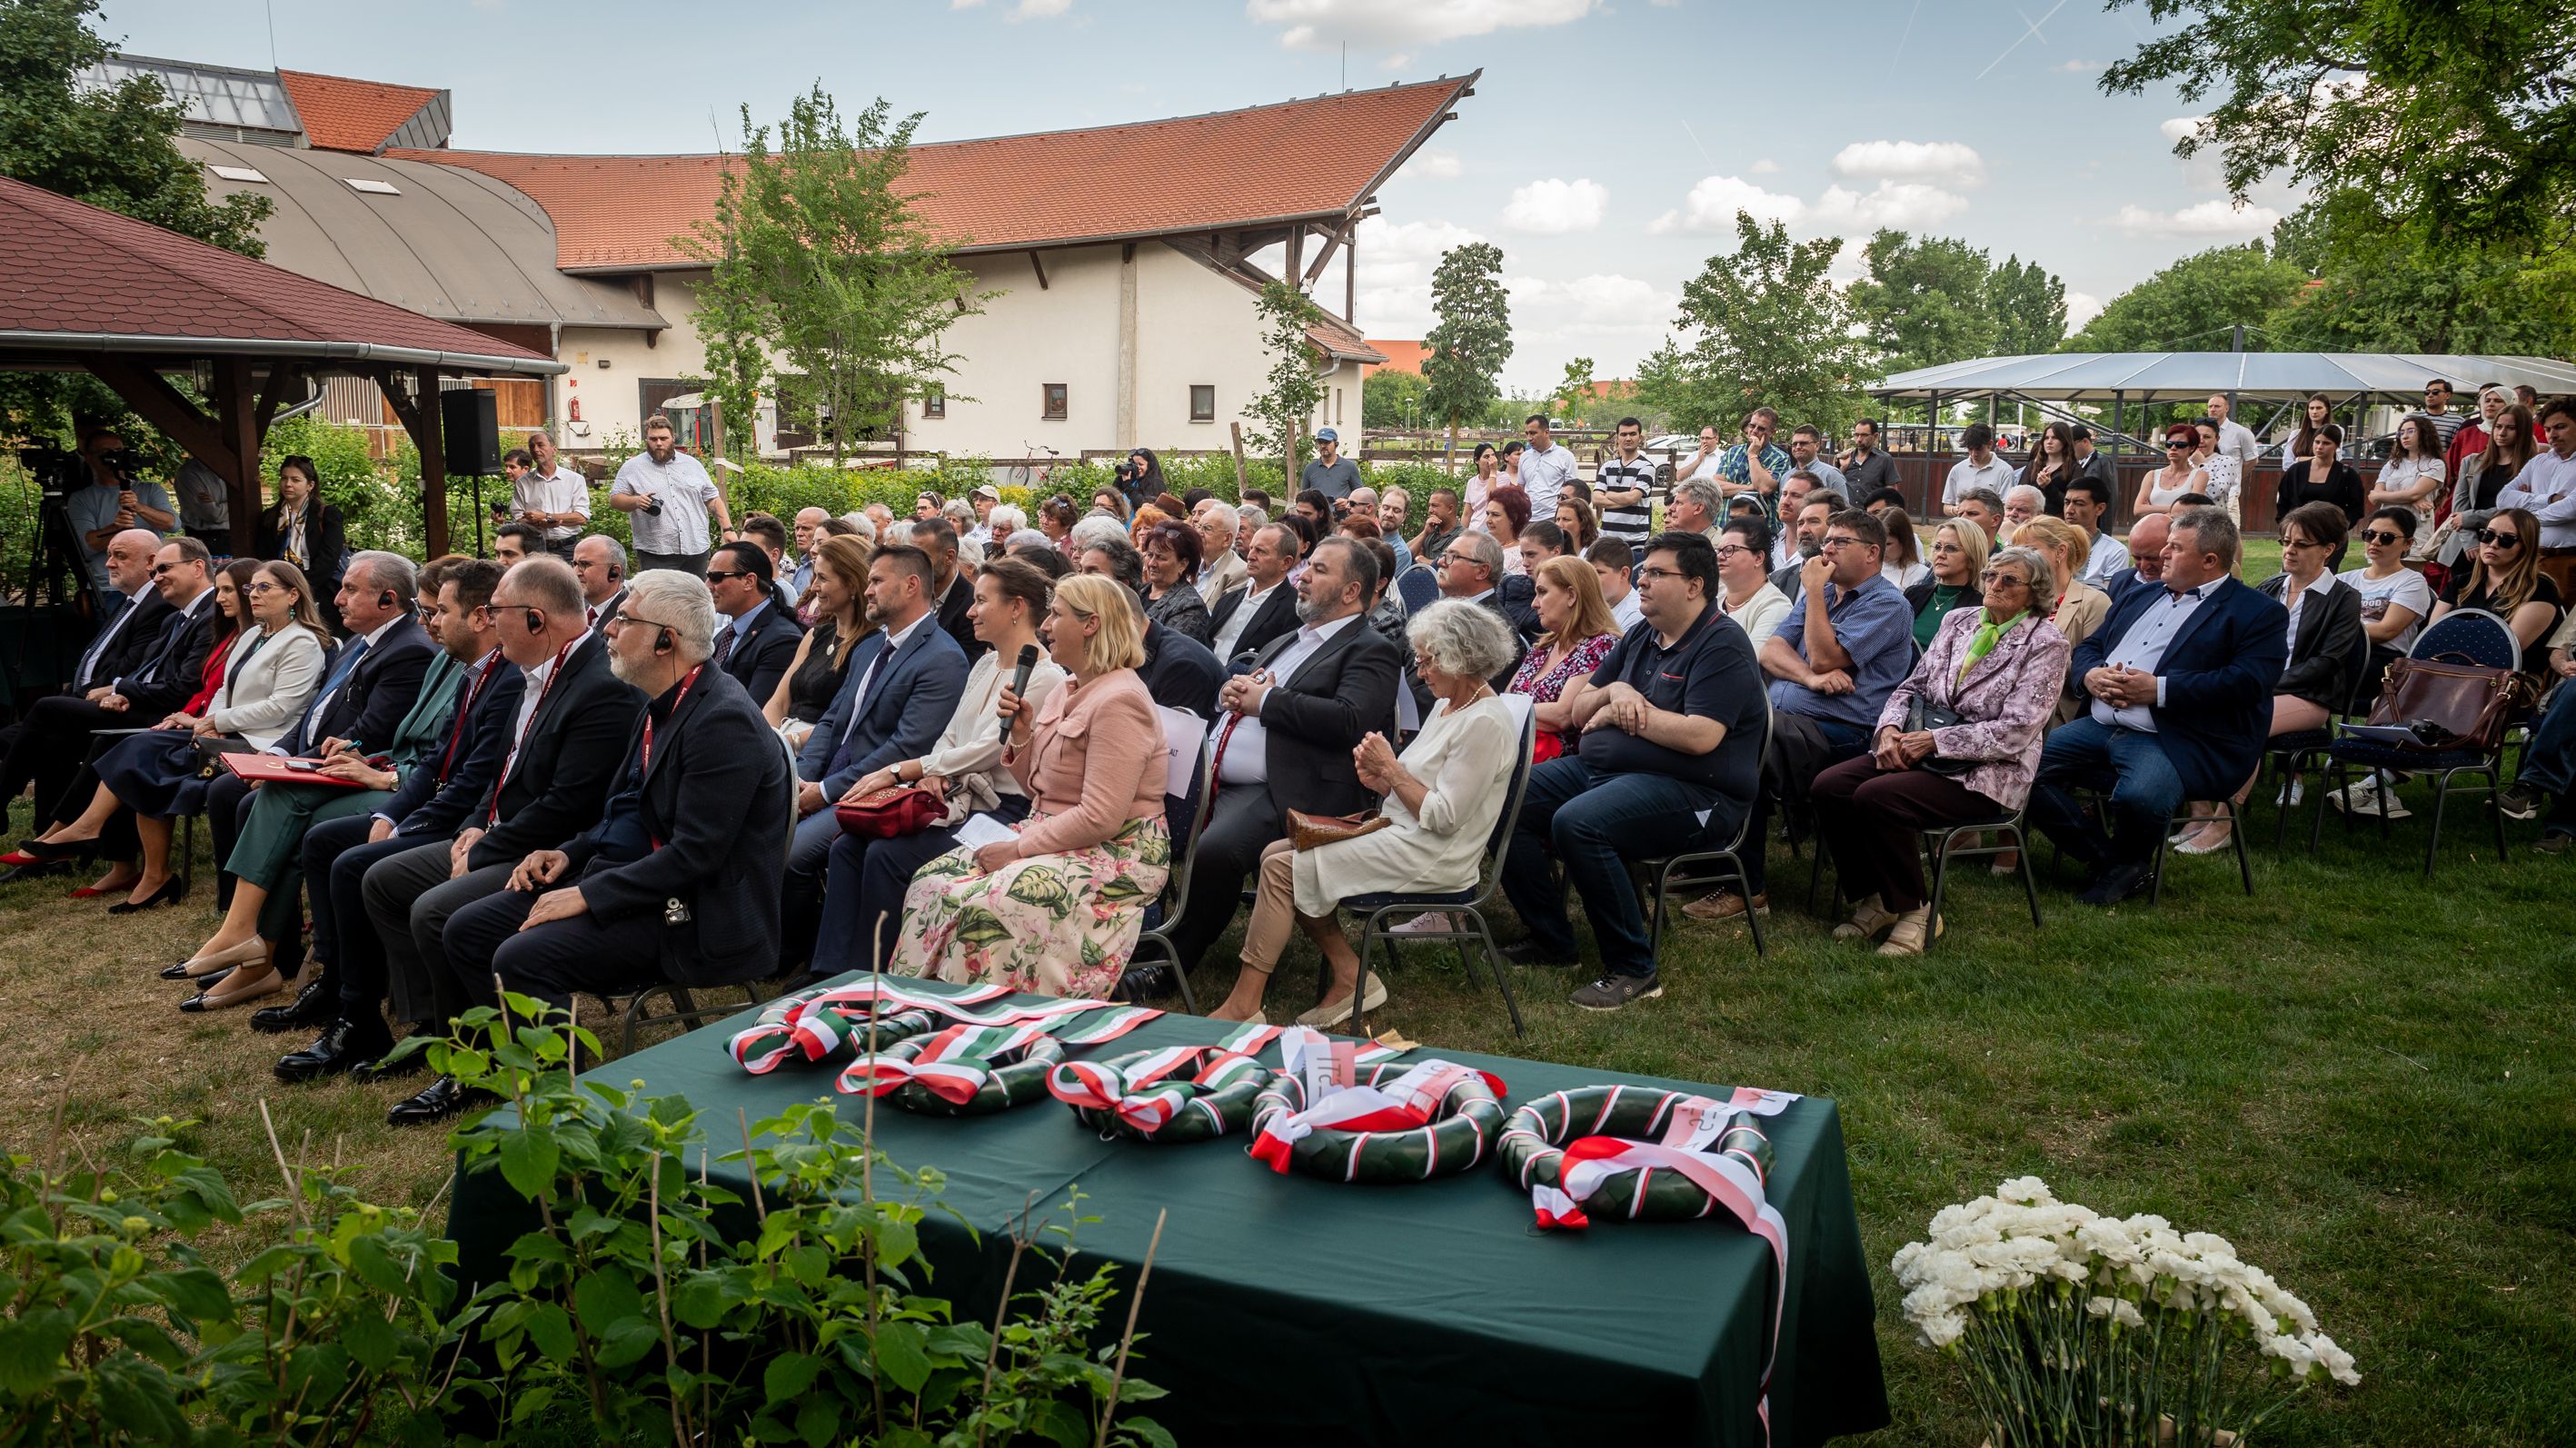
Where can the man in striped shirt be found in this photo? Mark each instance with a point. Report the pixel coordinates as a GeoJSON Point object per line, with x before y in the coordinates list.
{"type": "Point", "coordinates": [1625, 487]}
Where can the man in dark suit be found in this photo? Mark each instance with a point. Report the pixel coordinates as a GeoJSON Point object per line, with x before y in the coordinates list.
{"type": "Point", "coordinates": [900, 685]}
{"type": "Point", "coordinates": [951, 590]}
{"type": "Point", "coordinates": [1263, 606]}
{"type": "Point", "coordinates": [1178, 671]}
{"type": "Point", "coordinates": [757, 634]}
{"type": "Point", "coordinates": [47, 746]}
{"type": "Point", "coordinates": [678, 881]}
{"type": "Point", "coordinates": [599, 561]}
{"type": "Point", "coordinates": [372, 681]}
{"type": "Point", "coordinates": [2181, 678]}
{"type": "Point", "coordinates": [1471, 570]}
{"type": "Point", "coordinates": [1285, 738]}
{"type": "Point", "coordinates": [574, 718]}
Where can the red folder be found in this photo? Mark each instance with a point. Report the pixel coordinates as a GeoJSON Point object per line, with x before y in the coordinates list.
{"type": "Point", "coordinates": [270, 769]}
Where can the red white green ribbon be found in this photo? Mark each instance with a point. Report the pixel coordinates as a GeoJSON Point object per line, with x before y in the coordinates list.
{"type": "Point", "coordinates": [1404, 1104]}
{"type": "Point", "coordinates": [817, 1023]}
{"type": "Point", "coordinates": [952, 1065]}
{"type": "Point", "coordinates": [1146, 1094]}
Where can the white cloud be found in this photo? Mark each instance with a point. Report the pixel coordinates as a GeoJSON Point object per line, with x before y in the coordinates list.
{"type": "Point", "coordinates": [2076, 67]}
{"type": "Point", "coordinates": [1766, 167]}
{"type": "Point", "coordinates": [1950, 162]}
{"type": "Point", "coordinates": [964, 4]}
{"type": "Point", "coordinates": [2217, 218]}
{"type": "Point", "coordinates": [1711, 206]}
{"type": "Point", "coordinates": [1400, 60]}
{"type": "Point", "coordinates": [2182, 126]}
{"type": "Point", "coordinates": [1611, 318]}
{"type": "Point", "coordinates": [1554, 207]}
{"type": "Point", "coordinates": [1395, 263]}
{"type": "Point", "coordinates": [1323, 24]}
{"type": "Point", "coordinates": [1040, 9]}
{"type": "Point", "coordinates": [1433, 162]}
{"type": "Point", "coordinates": [2081, 307]}
{"type": "Point", "coordinates": [1900, 204]}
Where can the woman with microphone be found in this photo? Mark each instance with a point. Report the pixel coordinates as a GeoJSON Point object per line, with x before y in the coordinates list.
{"type": "Point", "coordinates": [863, 890]}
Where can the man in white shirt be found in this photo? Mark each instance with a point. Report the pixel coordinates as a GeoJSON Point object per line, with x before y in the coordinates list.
{"type": "Point", "coordinates": [551, 496]}
{"type": "Point", "coordinates": [2547, 486]}
{"type": "Point", "coordinates": [2086, 506]}
{"type": "Point", "coordinates": [1981, 468]}
{"type": "Point", "coordinates": [667, 497]}
{"type": "Point", "coordinates": [2234, 438]}
{"type": "Point", "coordinates": [1545, 467]}
{"type": "Point", "coordinates": [1611, 558]}
{"type": "Point", "coordinates": [1793, 503]}
{"type": "Point", "coordinates": [1265, 570]}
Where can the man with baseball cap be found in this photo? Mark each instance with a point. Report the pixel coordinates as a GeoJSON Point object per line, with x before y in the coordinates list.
{"type": "Point", "coordinates": [983, 500]}
{"type": "Point", "coordinates": [1329, 473]}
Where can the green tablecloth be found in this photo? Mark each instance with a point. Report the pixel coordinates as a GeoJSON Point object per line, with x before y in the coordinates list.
{"type": "Point", "coordinates": [1425, 1313]}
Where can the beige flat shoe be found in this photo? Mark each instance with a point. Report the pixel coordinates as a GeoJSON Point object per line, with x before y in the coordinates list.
{"type": "Point", "coordinates": [1869, 919]}
{"type": "Point", "coordinates": [1909, 936]}
{"type": "Point", "coordinates": [1372, 993]}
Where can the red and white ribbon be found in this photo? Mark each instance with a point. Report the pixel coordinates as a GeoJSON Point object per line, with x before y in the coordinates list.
{"type": "Point", "coordinates": [1145, 1094]}
{"type": "Point", "coordinates": [1404, 1104]}
{"type": "Point", "coordinates": [816, 1024]}
{"type": "Point", "coordinates": [953, 1065]}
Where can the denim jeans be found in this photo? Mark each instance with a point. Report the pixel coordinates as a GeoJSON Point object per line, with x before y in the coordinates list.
{"type": "Point", "coordinates": [2145, 792]}
{"type": "Point", "coordinates": [2549, 762]}
{"type": "Point", "coordinates": [1593, 823]}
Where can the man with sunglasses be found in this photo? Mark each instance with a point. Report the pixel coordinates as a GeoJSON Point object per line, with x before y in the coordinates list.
{"type": "Point", "coordinates": [2437, 410]}
{"type": "Point", "coordinates": [1756, 465]}
{"type": "Point", "coordinates": [756, 636]}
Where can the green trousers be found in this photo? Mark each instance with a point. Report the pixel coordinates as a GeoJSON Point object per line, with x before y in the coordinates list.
{"type": "Point", "coordinates": [271, 841]}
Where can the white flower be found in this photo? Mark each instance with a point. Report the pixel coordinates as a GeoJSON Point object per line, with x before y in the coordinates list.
{"type": "Point", "coordinates": [2025, 1189]}
{"type": "Point", "coordinates": [2338, 1363]}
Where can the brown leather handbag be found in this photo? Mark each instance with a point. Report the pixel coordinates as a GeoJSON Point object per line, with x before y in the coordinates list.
{"type": "Point", "coordinates": [1306, 831]}
{"type": "Point", "coordinates": [2450, 704]}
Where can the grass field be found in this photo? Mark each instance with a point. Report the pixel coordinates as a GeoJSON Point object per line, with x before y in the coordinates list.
{"type": "Point", "coordinates": [2361, 1078]}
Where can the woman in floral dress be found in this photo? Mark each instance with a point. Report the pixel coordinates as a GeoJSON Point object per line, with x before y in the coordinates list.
{"type": "Point", "coordinates": [1056, 909]}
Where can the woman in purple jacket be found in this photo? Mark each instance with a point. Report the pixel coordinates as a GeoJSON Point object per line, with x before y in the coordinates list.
{"type": "Point", "coordinates": [1998, 669]}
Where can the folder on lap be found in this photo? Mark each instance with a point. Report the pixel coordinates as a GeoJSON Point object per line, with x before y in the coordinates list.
{"type": "Point", "coordinates": [269, 769]}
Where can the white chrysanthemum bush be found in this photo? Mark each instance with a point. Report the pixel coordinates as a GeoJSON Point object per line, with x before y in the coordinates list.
{"type": "Point", "coordinates": [2077, 1330]}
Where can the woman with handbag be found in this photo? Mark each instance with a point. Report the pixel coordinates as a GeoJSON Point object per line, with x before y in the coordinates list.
{"type": "Point", "coordinates": [912, 807]}
{"type": "Point", "coordinates": [838, 594]}
{"type": "Point", "coordinates": [2505, 580]}
{"type": "Point", "coordinates": [270, 675]}
{"type": "Point", "coordinates": [305, 531]}
{"type": "Point", "coordinates": [2325, 635]}
{"type": "Point", "coordinates": [1957, 743]}
{"type": "Point", "coordinates": [1057, 907]}
{"type": "Point", "coordinates": [1443, 799]}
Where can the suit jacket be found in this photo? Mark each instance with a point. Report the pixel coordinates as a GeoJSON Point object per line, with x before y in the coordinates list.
{"type": "Point", "coordinates": [422, 734]}
{"type": "Point", "coordinates": [952, 615]}
{"type": "Point", "coordinates": [566, 765]}
{"type": "Point", "coordinates": [719, 796]}
{"type": "Point", "coordinates": [176, 661]}
{"type": "Point", "coordinates": [907, 706]}
{"type": "Point", "coordinates": [2328, 649]}
{"type": "Point", "coordinates": [324, 540]}
{"type": "Point", "coordinates": [128, 650]}
{"type": "Point", "coordinates": [1277, 615]}
{"type": "Point", "coordinates": [1180, 673]}
{"type": "Point", "coordinates": [1516, 597]}
{"type": "Point", "coordinates": [1220, 577]}
{"type": "Point", "coordinates": [2219, 674]}
{"type": "Point", "coordinates": [1313, 719]}
{"type": "Point", "coordinates": [371, 703]}
{"type": "Point", "coordinates": [266, 687]}
{"type": "Point", "coordinates": [760, 659]}
{"type": "Point", "coordinates": [433, 801]}
{"type": "Point", "coordinates": [599, 625]}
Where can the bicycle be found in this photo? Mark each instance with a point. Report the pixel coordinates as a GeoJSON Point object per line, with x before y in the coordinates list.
{"type": "Point", "coordinates": [1024, 476]}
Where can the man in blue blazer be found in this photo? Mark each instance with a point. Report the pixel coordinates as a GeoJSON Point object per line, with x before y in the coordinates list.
{"type": "Point", "coordinates": [2181, 679]}
{"type": "Point", "coordinates": [898, 689]}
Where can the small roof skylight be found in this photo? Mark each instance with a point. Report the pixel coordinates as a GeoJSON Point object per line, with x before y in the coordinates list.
{"type": "Point", "coordinates": [371, 187]}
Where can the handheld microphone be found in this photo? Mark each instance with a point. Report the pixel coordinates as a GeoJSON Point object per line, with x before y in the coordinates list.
{"type": "Point", "coordinates": [1020, 680]}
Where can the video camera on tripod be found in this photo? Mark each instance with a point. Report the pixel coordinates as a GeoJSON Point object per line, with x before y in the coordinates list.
{"type": "Point", "coordinates": [54, 554]}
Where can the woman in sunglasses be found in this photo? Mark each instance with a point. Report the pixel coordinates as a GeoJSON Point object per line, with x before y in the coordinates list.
{"type": "Point", "coordinates": [2322, 477]}
{"type": "Point", "coordinates": [2394, 597]}
{"type": "Point", "coordinates": [2506, 581]}
{"type": "Point", "coordinates": [2160, 490]}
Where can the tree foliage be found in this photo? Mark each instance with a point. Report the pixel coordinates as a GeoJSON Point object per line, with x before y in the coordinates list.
{"type": "Point", "coordinates": [2028, 303]}
{"type": "Point", "coordinates": [2189, 305]}
{"type": "Point", "coordinates": [1763, 325]}
{"type": "Point", "coordinates": [2459, 117]}
{"type": "Point", "coordinates": [1393, 398]}
{"type": "Point", "coordinates": [1288, 402]}
{"type": "Point", "coordinates": [819, 260]}
{"type": "Point", "coordinates": [1574, 391]}
{"type": "Point", "coordinates": [1924, 302]}
{"type": "Point", "coordinates": [1468, 345]}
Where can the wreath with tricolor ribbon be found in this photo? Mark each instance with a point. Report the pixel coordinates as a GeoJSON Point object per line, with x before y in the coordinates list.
{"type": "Point", "coordinates": [1325, 1117]}
{"type": "Point", "coordinates": [1179, 1095]}
{"type": "Point", "coordinates": [961, 1071]}
{"type": "Point", "coordinates": [818, 1023]}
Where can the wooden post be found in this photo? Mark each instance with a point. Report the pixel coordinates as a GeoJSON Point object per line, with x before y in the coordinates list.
{"type": "Point", "coordinates": [237, 417]}
{"type": "Point", "coordinates": [429, 435]}
{"type": "Point", "coordinates": [1242, 480]}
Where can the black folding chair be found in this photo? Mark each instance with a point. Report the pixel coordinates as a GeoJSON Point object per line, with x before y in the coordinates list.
{"type": "Point", "coordinates": [2469, 635]}
{"type": "Point", "coordinates": [1196, 808]}
{"type": "Point", "coordinates": [1674, 871]}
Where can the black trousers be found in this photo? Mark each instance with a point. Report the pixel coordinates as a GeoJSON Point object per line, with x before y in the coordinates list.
{"type": "Point", "coordinates": [411, 899]}
{"type": "Point", "coordinates": [337, 857]}
{"type": "Point", "coordinates": [1872, 820]}
{"type": "Point", "coordinates": [1241, 826]}
{"type": "Point", "coordinates": [48, 748]}
{"type": "Point", "coordinates": [553, 961]}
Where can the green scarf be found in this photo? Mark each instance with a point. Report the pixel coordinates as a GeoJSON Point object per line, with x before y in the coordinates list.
{"type": "Point", "coordinates": [1988, 634]}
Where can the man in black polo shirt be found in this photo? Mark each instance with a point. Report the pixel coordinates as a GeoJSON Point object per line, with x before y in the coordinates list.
{"type": "Point", "coordinates": [1671, 753]}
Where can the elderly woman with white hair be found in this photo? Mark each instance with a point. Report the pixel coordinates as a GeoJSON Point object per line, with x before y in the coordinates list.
{"type": "Point", "coordinates": [1444, 794]}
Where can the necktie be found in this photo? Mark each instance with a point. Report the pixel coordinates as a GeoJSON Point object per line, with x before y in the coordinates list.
{"type": "Point", "coordinates": [349, 656]}
{"type": "Point", "coordinates": [724, 646]}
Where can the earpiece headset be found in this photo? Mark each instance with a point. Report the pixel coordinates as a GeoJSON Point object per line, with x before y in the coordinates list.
{"type": "Point", "coordinates": [385, 599]}
{"type": "Point", "coordinates": [663, 644]}
{"type": "Point", "coordinates": [536, 621]}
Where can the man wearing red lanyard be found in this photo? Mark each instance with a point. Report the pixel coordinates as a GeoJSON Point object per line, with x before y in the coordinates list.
{"type": "Point", "coordinates": [679, 879]}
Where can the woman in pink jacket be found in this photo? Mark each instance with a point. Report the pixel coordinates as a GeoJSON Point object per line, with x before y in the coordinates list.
{"type": "Point", "coordinates": [1057, 907]}
{"type": "Point", "coordinates": [1998, 670]}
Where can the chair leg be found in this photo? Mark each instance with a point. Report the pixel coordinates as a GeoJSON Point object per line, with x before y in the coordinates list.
{"type": "Point", "coordinates": [2433, 841]}
{"type": "Point", "coordinates": [2029, 880]}
{"type": "Point", "coordinates": [1359, 988]}
{"type": "Point", "coordinates": [2317, 822]}
{"type": "Point", "coordinates": [1655, 931]}
{"type": "Point", "coordinates": [1753, 917]}
{"type": "Point", "coordinates": [1494, 960]}
{"type": "Point", "coordinates": [2156, 870]}
{"type": "Point", "coordinates": [1940, 878]}
{"type": "Point", "coordinates": [2495, 786]}
{"type": "Point", "coordinates": [2244, 861]}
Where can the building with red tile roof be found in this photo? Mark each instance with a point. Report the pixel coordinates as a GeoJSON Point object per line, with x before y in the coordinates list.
{"type": "Point", "coordinates": [1401, 356]}
{"type": "Point", "coordinates": [341, 114]}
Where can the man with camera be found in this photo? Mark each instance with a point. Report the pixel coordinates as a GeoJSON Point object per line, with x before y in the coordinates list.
{"type": "Point", "coordinates": [114, 501]}
{"type": "Point", "coordinates": [669, 496]}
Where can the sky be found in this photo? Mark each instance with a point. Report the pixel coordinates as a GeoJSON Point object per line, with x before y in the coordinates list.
{"type": "Point", "coordinates": [1606, 149]}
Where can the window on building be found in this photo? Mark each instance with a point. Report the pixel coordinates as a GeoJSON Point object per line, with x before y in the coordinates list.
{"type": "Point", "coordinates": [1051, 401]}
{"type": "Point", "coordinates": [1202, 402]}
{"type": "Point", "coordinates": [1337, 407]}
{"type": "Point", "coordinates": [934, 403]}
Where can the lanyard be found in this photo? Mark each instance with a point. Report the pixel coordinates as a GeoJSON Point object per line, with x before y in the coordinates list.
{"type": "Point", "coordinates": [464, 711]}
{"type": "Point", "coordinates": [682, 698]}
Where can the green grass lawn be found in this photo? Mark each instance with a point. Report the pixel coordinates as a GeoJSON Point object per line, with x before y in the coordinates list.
{"type": "Point", "coordinates": [2360, 1077]}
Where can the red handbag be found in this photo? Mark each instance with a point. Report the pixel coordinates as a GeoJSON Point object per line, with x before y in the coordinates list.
{"type": "Point", "coordinates": [896, 810]}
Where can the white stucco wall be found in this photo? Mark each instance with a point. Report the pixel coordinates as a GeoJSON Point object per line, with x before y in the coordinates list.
{"type": "Point", "coordinates": [608, 395]}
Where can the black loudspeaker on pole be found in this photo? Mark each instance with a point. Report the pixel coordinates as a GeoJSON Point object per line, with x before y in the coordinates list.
{"type": "Point", "coordinates": [470, 427]}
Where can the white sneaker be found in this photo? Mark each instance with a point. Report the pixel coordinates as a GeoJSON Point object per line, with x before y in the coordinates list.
{"type": "Point", "coordinates": [1437, 920]}
{"type": "Point", "coordinates": [2290, 795]}
{"type": "Point", "coordinates": [2368, 797]}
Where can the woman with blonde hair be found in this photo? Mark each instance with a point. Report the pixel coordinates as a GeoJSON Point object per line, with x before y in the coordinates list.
{"type": "Point", "coordinates": [1958, 564]}
{"type": "Point", "coordinates": [1057, 907]}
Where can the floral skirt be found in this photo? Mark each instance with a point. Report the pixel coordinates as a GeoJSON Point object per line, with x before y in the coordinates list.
{"type": "Point", "coordinates": [1059, 925]}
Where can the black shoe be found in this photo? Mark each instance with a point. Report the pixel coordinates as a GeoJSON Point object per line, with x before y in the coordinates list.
{"type": "Point", "coordinates": [1143, 982]}
{"type": "Point", "coordinates": [1529, 952]}
{"type": "Point", "coordinates": [341, 1047]}
{"type": "Point", "coordinates": [2116, 884]}
{"type": "Point", "coordinates": [37, 871]}
{"type": "Point", "coordinates": [381, 1069]}
{"type": "Point", "coordinates": [2518, 801]}
{"type": "Point", "coordinates": [440, 1100]}
{"type": "Point", "coordinates": [83, 851]}
{"type": "Point", "coordinates": [316, 1004]}
{"type": "Point", "coordinates": [172, 891]}
{"type": "Point", "coordinates": [1612, 992]}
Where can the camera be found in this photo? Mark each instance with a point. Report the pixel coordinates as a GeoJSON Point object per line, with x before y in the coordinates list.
{"type": "Point", "coordinates": [122, 462]}
{"type": "Point", "coordinates": [1124, 472]}
{"type": "Point", "coordinates": [56, 472]}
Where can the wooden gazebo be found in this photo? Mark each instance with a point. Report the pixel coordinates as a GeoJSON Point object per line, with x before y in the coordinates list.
{"type": "Point", "coordinates": [84, 289]}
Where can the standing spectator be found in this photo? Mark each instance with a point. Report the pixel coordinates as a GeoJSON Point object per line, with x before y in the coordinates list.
{"type": "Point", "coordinates": [2088, 511]}
{"type": "Point", "coordinates": [304, 530]}
{"type": "Point", "coordinates": [1958, 563]}
{"type": "Point", "coordinates": [667, 497]}
{"type": "Point", "coordinates": [2314, 414]}
{"type": "Point", "coordinates": [1545, 469]}
{"type": "Point", "coordinates": [2093, 463]}
{"type": "Point", "coordinates": [756, 638]}
{"type": "Point", "coordinates": [556, 502]}
{"type": "Point", "coordinates": [2414, 474]}
{"type": "Point", "coordinates": [1867, 467]}
{"type": "Point", "coordinates": [1807, 455]}
{"type": "Point", "coordinates": [2052, 466]}
{"type": "Point", "coordinates": [2437, 406]}
{"type": "Point", "coordinates": [1670, 728]}
{"type": "Point", "coordinates": [205, 505]}
{"type": "Point", "coordinates": [1485, 474]}
{"type": "Point", "coordinates": [1611, 561]}
{"type": "Point", "coordinates": [1745, 592]}
{"type": "Point", "coordinates": [1981, 469]}
{"type": "Point", "coordinates": [2181, 681]}
{"type": "Point", "coordinates": [2512, 441]}
{"type": "Point", "coordinates": [112, 503]}
{"type": "Point", "coordinates": [2234, 438]}
{"type": "Point", "coordinates": [1327, 472]}
{"type": "Point", "coordinates": [2321, 477]}
{"type": "Point", "coordinates": [1703, 463]}
{"type": "Point", "coordinates": [2547, 489]}
{"type": "Point", "coordinates": [1576, 634]}
{"type": "Point", "coordinates": [1756, 465]}
{"type": "Point", "coordinates": [2216, 474]}
{"type": "Point", "coordinates": [2472, 438]}
{"type": "Point", "coordinates": [1625, 486]}
{"type": "Point", "coordinates": [1507, 512]}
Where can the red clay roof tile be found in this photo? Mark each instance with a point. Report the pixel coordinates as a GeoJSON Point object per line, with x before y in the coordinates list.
{"type": "Point", "coordinates": [341, 114]}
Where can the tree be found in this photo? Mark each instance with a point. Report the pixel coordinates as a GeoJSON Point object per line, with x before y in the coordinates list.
{"type": "Point", "coordinates": [732, 319]}
{"type": "Point", "coordinates": [1574, 393]}
{"type": "Point", "coordinates": [818, 258]}
{"type": "Point", "coordinates": [2459, 116]}
{"type": "Point", "coordinates": [1924, 303]}
{"type": "Point", "coordinates": [2029, 307]}
{"type": "Point", "coordinates": [2190, 305]}
{"type": "Point", "coordinates": [1764, 325]}
{"type": "Point", "coordinates": [1294, 393]}
{"type": "Point", "coordinates": [1392, 398]}
{"type": "Point", "coordinates": [1468, 345]}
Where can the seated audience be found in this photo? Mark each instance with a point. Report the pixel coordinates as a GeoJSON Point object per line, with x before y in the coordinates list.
{"type": "Point", "coordinates": [2395, 599]}
{"type": "Point", "coordinates": [1809, 531]}
{"type": "Point", "coordinates": [962, 772]}
{"type": "Point", "coordinates": [1178, 672]}
{"type": "Point", "coordinates": [1285, 734]}
{"type": "Point", "coordinates": [757, 638]}
{"type": "Point", "coordinates": [1904, 566]}
{"type": "Point", "coordinates": [2146, 554]}
{"type": "Point", "coordinates": [1695, 507]}
{"type": "Point", "coordinates": [1471, 569]}
{"type": "Point", "coordinates": [1439, 525]}
{"type": "Point", "coordinates": [1441, 799]}
{"type": "Point", "coordinates": [2021, 505]}
{"type": "Point", "coordinates": [2549, 761]}
{"type": "Point", "coordinates": [1879, 500]}
{"type": "Point", "coordinates": [1539, 542]}
{"type": "Point", "coordinates": [1997, 667]}
{"type": "Point", "coordinates": [1171, 561]}
{"type": "Point", "coordinates": [1264, 605]}
{"type": "Point", "coordinates": [952, 587]}
{"type": "Point", "coordinates": [1057, 907]}
{"type": "Point", "coordinates": [1507, 512]}
{"type": "Point", "coordinates": [1796, 491]}
{"type": "Point", "coordinates": [677, 881]}
{"type": "Point", "coordinates": [1671, 731]}
{"type": "Point", "coordinates": [1221, 567]}
{"type": "Point", "coordinates": [1386, 610]}
{"type": "Point", "coordinates": [1579, 522]}
{"type": "Point", "coordinates": [836, 595]}
{"type": "Point", "coordinates": [599, 561]}
{"type": "Point", "coordinates": [1745, 593]}
{"type": "Point", "coordinates": [1576, 635]}
{"type": "Point", "coordinates": [1612, 562]}
{"type": "Point", "coordinates": [2478, 484]}
{"type": "Point", "coordinates": [764, 532]}
{"type": "Point", "coordinates": [2505, 579]}
{"type": "Point", "coordinates": [1958, 562]}
{"type": "Point", "coordinates": [2079, 608]}
{"type": "Point", "coordinates": [1046, 558]}
{"type": "Point", "coordinates": [2324, 637]}
{"type": "Point", "coordinates": [2181, 680]}
{"type": "Point", "coordinates": [2088, 511]}
{"type": "Point", "coordinates": [1983, 507]}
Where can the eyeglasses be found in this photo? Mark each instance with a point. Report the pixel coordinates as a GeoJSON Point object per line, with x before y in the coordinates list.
{"type": "Point", "coordinates": [2302, 543]}
{"type": "Point", "coordinates": [719, 575]}
{"type": "Point", "coordinates": [1646, 573]}
{"type": "Point", "coordinates": [2376, 536]}
{"type": "Point", "coordinates": [1833, 540]}
{"type": "Point", "coordinates": [262, 585]}
{"type": "Point", "coordinates": [2170, 446]}
{"type": "Point", "coordinates": [619, 620]}
{"type": "Point", "coordinates": [2494, 539]}
{"type": "Point", "coordinates": [1996, 580]}
{"type": "Point", "coordinates": [1729, 550]}
{"type": "Point", "coordinates": [1948, 548]}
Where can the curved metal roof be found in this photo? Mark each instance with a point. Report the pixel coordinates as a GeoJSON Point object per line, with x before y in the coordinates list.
{"type": "Point", "coordinates": [443, 241]}
{"type": "Point", "coordinates": [2063, 375]}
